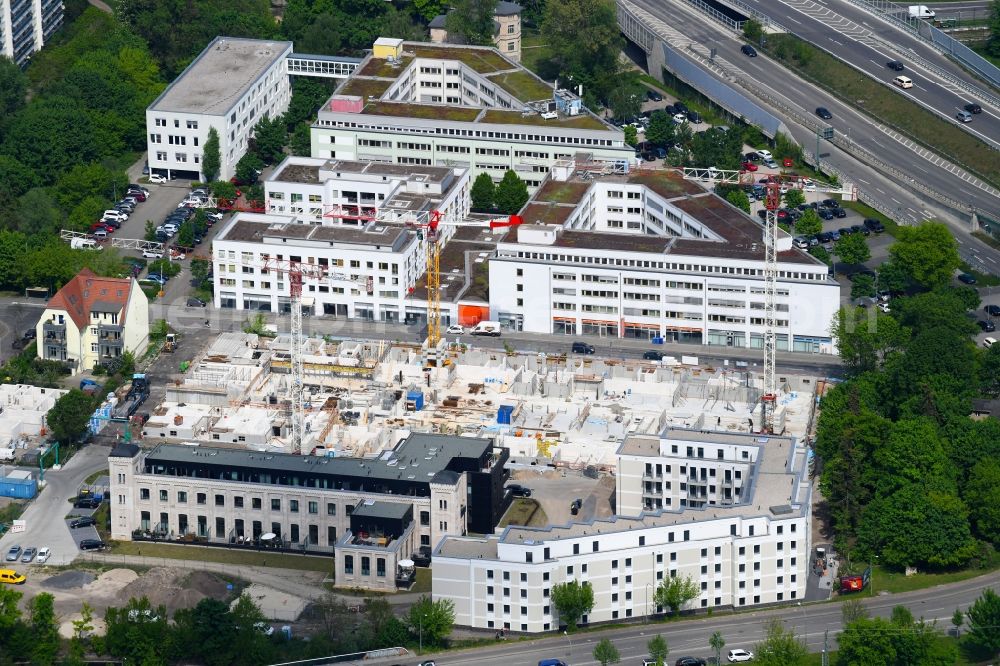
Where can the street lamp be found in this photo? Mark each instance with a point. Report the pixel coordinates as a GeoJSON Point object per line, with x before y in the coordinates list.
{"type": "Point", "coordinates": [646, 615]}
{"type": "Point", "coordinates": [569, 654]}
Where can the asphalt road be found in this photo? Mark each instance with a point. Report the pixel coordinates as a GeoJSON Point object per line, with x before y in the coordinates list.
{"type": "Point", "coordinates": [774, 79]}
{"type": "Point", "coordinates": [963, 10]}
{"type": "Point", "coordinates": [863, 39]}
{"type": "Point", "coordinates": [743, 630]}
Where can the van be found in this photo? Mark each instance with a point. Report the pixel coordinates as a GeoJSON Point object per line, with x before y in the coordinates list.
{"type": "Point", "coordinates": [11, 577]}
{"type": "Point", "coordinates": [903, 82]}
{"type": "Point", "coordinates": [920, 12]}
{"type": "Point", "coordinates": [491, 328]}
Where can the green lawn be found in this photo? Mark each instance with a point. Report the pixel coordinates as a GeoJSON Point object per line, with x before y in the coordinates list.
{"type": "Point", "coordinates": [982, 279]}
{"type": "Point", "coordinates": [523, 86]}
{"type": "Point", "coordinates": [884, 580]}
{"type": "Point", "coordinates": [365, 87]}
{"type": "Point", "coordinates": [483, 61]}
{"type": "Point", "coordinates": [423, 582]}
{"type": "Point", "coordinates": [567, 192]}
{"type": "Point", "coordinates": [534, 51]}
{"type": "Point", "coordinates": [525, 512]}
{"type": "Point", "coordinates": [887, 106]}
{"type": "Point", "coordinates": [235, 557]}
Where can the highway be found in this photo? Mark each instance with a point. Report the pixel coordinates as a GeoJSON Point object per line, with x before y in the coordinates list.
{"type": "Point", "coordinates": [741, 630]}
{"type": "Point", "coordinates": [964, 11]}
{"type": "Point", "coordinates": [686, 25]}
{"type": "Point", "coordinates": [867, 42]}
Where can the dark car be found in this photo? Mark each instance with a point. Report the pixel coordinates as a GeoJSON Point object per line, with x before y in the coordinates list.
{"type": "Point", "coordinates": [749, 51]}
{"type": "Point", "coordinates": [196, 303]}
{"type": "Point", "coordinates": [654, 96]}
{"type": "Point", "coordinates": [575, 506]}
{"type": "Point", "coordinates": [965, 278]}
{"type": "Point", "coordinates": [84, 521]}
{"type": "Point", "coordinates": [831, 203]}
{"type": "Point", "coordinates": [859, 229]}
{"type": "Point", "coordinates": [823, 113]}
{"type": "Point", "coordinates": [752, 157]}
{"type": "Point", "coordinates": [690, 661]}
{"type": "Point", "coordinates": [652, 355]}
{"type": "Point", "coordinates": [895, 65]}
{"type": "Point", "coordinates": [992, 310]}
{"type": "Point", "coordinates": [518, 490]}
{"type": "Point", "coordinates": [694, 117]}
{"type": "Point", "coordinates": [825, 213]}
{"type": "Point", "coordinates": [874, 225]}
{"type": "Point", "coordinates": [91, 544]}
{"type": "Point", "coordinates": [824, 237]}
{"type": "Point", "coordinates": [972, 107]}
{"type": "Point", "coordinates": [987, 326]}
{"type": "Point", "coordinates": [838, 212]}
{"type": "Point", "coordinates": [680, 107]}
{"type": "Point", "coordinates": [583, 348]}
{"type": "Point", "coordinates": [845, 231]}
{"type": "Point", "coordinates": [87, 503]}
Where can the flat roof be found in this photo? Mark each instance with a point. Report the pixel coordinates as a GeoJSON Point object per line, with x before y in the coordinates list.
{"type": "Point", "coordinates": [221, 74]}
{"type": "Point", "coordinates": [373, 234]}
{"type": "Point", "coordinates": [391, 510]}
{"type": "Point", "coordinates": [310, 170]}
{"type": "Point", "coordinates": [418, 458]}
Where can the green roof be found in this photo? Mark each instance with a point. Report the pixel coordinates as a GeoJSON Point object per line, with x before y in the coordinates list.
{"type": "Point", "coordinates": [542, 213]}
{"type": "Point", "coordinates": [483, 61]}
{"type": "Point", "coordinates": [426, 111]}
{"type": "Point", "coordinates": [365, 87]}
{"type": "Point", "coordinates": [583, 121]}
{"type": "Point", "coordinates": [524, 86]}
{"type": "Point", "coordinates": [562, 192]}
{"type": "Point", "coordinates": [379, 67]}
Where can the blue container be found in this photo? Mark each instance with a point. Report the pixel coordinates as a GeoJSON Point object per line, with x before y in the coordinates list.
{"type": "Point", "coordinates": [504, 414]}
{"type": "Point", "coordinates": [18, 488]}
{"type": "Point", "coordinates": [657, 341]}
{"type": "Point", "coordinates": [417, 398]}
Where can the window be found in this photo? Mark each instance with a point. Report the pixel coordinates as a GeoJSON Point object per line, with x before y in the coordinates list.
{"type": "Point", "coordinates": [220, 500]}
{"type": "Point", "coordinates": [314, 507]}
{"type": "Point", "coordinates": [380, 567]}
{"type": "Point", "coordinates": [163, 495]}
{"type": "Point", "coordinates": [202, 498]}
{"type": "Point", "coordinates": [144, 493]}
{"type": "Point", "coordinates": [182, 497]}
{"type": "Point", "coordinates": [275, 505]}
{"type": "Point", "coordinates": [524, 577]}
{"type": "Point", "coordinates": [348, 564]}
{"type": "Point", "coordinates": [366, 565]}
{"type": "Point", "coordinates": [238, 502]}
{"type": "Point", "coordinates": [331, 509]}
{"type": "Point", "coordinates": [255, 503]}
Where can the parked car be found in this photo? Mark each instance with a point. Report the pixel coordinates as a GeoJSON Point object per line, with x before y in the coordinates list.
{"type": "Point", "coordinates": [583, 348]}
{"type": "Point", "coordinates": [43, 555]}
{"type": "Point", "coordinates": [157, 278]}
{"type": "Point", "coordinates": [575, 506]}
{"type": "Point", "coordinates": [11, 577]}
{"type": "Point", "coordinates": [694, 116]}
{"type": "Point", "coordinates": [214, 217]}
{"type": "Point", "coordinates": [992, 310]}
{"type": "Point", "coordinates": [87, 503]}
{"type": "Point", "coordinates": [115, 215]}
{"type": "Point", "coordinates": [966, 278]}
{"type": "Point", "coordinates": [987, 326]}
{"type": "Point", "coordinates": [83, 521]}
{"type": "Point", "coordinates": [29, 554]}
{"type": "Point", "coordinates": [859, 229]}
{"type": "Point", "coordinates": [518, 490]}
{"type": "Point", "coordinates": [654, 96]}
{"type": "Point", "coordinates": [989, 342]}
{"type": "Point", "coordinates": [749, 166]}
{"type": "Point", "coordinates": [267, 629]}
{"type": "Point", "coordinates": [838, 212]}
{"type": "Point", "coordinates": [152, 254]}
{"type": "Point", "coordinates": [91, 544]}
{"type": "Point", "coordinates": [690, 661]}
{"type": "Point", "coordinates": [13, 553]}
{"type": "Point", "coordinates": [739, 655]}
{"type": "Point", "coordinates": [874, 225]}
{"type": "Point", "coordinates": [455, 329]}
{"type": "Point", "coordinates": [196, 303]}
{"type": "Point", "coordinates": [652, 355]}
{"type": "Point", "coordinates": [157, 179]}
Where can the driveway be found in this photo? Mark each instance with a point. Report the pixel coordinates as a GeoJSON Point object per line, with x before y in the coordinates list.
{"type": "Point", "coordinates": [45, 515]}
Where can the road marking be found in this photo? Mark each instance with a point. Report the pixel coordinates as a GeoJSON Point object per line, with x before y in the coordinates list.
{"type": "Point", "coordinates": [836, 42]}
{"type": "Point", "coordinates": [794, 20]}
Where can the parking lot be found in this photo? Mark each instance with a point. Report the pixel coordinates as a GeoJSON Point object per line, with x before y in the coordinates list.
{"type": "Point", "coordinates": [556, 489]}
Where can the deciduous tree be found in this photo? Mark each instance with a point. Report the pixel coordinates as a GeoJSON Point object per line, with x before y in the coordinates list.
{"type": "Point", "coordinates": [739, 199]}
{"type": "Point", "coordinates": [606, 653]}
{"type": "Point", "coordinates": [584, 40]}
{"type": "Point", "coordinates": [483, 192]}
{"type": "Point", "coordinates": [984, 618]}
{"type": "Point", "coordinates": [661, 128]}
{"type": "Point", "coordinates": [45, 630]}
{"type": "Point", "coordinates": [809, 223]}
{"type": "Point", "coordinates": [211, 159]}
{"type": "Point", "coordinates": [269, 136]}
{"type": "Point", "coordinates": [69, 417]}
{"type": "Point", "coordinates": [472, 21]}
{"type": "Point", "coordinates": [852, 249]}
{"type": "Point", "coordinates": [982, 495]}
{"type": "Point", "coordinates": [927, 253]}
{"type": "Point", "coordinates": [717, 642]}
{"type": "Point", "coordinates": [794, 197]}
{"type": "Point", "coordinates": [631, 135]}
{"type": "Point", "coordinates": [572, 600]}
{"type": "Point", "coordinates": [780, 647]}
{"type": "Point", "coordinates": [511, 194]}
{"type": "Point", "coordinates": [675, 591]}
{"type": "Point", "coordinates": [435, 619]}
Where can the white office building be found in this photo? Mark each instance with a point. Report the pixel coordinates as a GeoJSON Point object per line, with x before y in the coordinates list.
{"type": "Point", "coordinates": [26, 25]}
{"type": "Point", "coordinates": [737, 523]}
{"type": "Point", "coordinates": [461, 106]}
{"type": "Point", "coordinates": [651, 255]}
{"type": "Point", "coordinates": [230, 86]}
{"type": "Point", "coordinates": [318, 217]}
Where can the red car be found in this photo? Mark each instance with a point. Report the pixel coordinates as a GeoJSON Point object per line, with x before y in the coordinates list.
{"type": "Point", "coordinates": [749, 166]}
{"type": "Point", "coordinates": [102, 226]}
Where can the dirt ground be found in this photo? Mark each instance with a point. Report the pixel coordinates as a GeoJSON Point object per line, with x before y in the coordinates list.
{"type": "Point", "coordinates": [173, 588]}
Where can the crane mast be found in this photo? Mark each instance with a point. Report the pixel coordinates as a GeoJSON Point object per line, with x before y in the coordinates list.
{"type": "Point", "coordinates": [768, 400]}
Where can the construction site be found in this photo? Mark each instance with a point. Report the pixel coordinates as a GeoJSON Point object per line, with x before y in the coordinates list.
{"type": "Point", "coordinates": [361, 397]}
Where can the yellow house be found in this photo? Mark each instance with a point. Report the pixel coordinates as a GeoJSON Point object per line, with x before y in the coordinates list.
{"type": "Point", "coordinates": [93, 320]}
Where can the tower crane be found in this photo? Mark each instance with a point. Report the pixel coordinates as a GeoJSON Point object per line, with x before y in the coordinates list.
{"type": "Point", "coordinates": [430, 223]}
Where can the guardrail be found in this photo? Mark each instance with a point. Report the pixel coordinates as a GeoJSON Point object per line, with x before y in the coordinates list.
{"type": "Point", "coordinates": [729, 22]}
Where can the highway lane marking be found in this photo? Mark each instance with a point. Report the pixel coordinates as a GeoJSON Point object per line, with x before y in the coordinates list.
{"type": "Point", "coordinates": [794, 20]}
{"type": "Point", "coordinates": [836, 42]}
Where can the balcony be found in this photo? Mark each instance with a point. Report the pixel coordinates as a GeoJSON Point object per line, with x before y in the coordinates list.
{"type": "Point", "coordinates": [54, 333]}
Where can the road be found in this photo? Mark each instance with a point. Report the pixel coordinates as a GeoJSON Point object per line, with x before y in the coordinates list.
{"type": "Point", "coordinates": [867, 42]}
{"type": "Point", "coordinates": [966, 10]}
{"type": "Point", "coordinates": [683, 24]}
{"type": "Point", "coordinates": [44, 515]}
{"type": "Point", "coordinates": [743, 630]}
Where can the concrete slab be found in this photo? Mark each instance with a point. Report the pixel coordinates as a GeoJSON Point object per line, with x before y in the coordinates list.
{"type": "Point", "coordinates": [274, 604]}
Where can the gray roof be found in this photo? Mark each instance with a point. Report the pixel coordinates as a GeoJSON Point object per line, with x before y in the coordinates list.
{"type": "Point", "coordinates": [124, 450]}
{"type": "Point", "coordinates": [437, 21]}
{"type": "Point", "coordinates": [418, 458]}
{"type": "Point", "coordinates": [393, 510]}
{"type": "Point", "coordinates": [221, 74]}
{"type": "Point", "coordinates": [505, 8]}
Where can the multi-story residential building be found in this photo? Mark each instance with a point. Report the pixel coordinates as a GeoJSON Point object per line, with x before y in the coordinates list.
{"type": "Point", "coordinates": [26, 25]}
{"type": "Point", "coordinates": [462, 106]}
{"type": "Point", "coordinates": [372, 267]}
{"type": "Point", "coordinates": [93, 320]}
{"type": "Point", "coordinates": [427, 487]}
{"type": "Point", "coordinates": [506, 30]}
{"type": "Point", "coordinates": [751, 550]}
{"type": "Point", "coordinates": [651, 255]}
{"type": "Point", "coordinates": [230, 86]}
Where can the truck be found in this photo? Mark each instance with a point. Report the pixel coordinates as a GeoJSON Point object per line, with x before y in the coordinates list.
{"type": "Point", "coordinates": [127, 406]}
{"type": "Point", "coordinates": [486, 328]}
{"type": "Point", "coordinates": [920, 12]}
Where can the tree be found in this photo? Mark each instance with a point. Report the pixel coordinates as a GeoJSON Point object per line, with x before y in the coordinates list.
{"type": "Point", "coordinates": [957, 620]}
{"type": "Point", "coordinates": [45, 641]}
{"type": "Point", "coordinates": [13, 87]}
{"type": "Point", "coordinates": [717, 642]}
{"type": "Point", "coordinates": [572, 600]}
{"type": "Point", "coordinates": [434, 619]}
{"type": "Point", "coordinates": [69, 417]}
{"type": "Point", "coordinates": [675, 591]}
{"type": "Point", "coordinates": [211, 158]}
{"type": "Point", "coordinates": [989, 372]}
{"type": "Point", "coordinates": [269, 136]}
{"type": "Point", "coordinates": [982, 494]}
{"type": "Point", "coordinates": [780, 647]}
{"type": "Point", "coordinates": [185, 236]}
{"type": "Point", "coordinates": [210, 632]}
{"type": "Point", "coordinates": [658, 649]}
{"type": "Point", "coordinates": [584, 41]}
{"type": "Point", "coordinates": [984, 618]}
{"type": "Point", "coordinates": [739, 199]}
{"type": "Point", "coordinates": [149, 231]}
{"type": "Point", "coordinates": [511, 194]}
{"type": "Point", "coordinates": [794, 197]}
{"type": "Point", "coordinates": [865, 338]}
{"type": "Point", "coordinates": [852, 249]}
{"type": "Point", "coordinates": [248, 168]}
{"type": "Point", "coordinates": [200, 269]}
{"type": "Point", "coordinates": [993, 44]}
{"type": "Point", "coordinates": [483, 193]}
{"type": "Point", "coordinates": [716, 147]}
{"type": "Point", "coordinates": [10, 612]}
{"type": "Point", "coordinates": [606, 653]}
{"type": "Point", "coordinates": [852, 610]}
{"type": "Point", "coordinates": [866, 642]}
{"type": "Point", "coordinates": [300, 141]}
{"type": "Point", "coordinates": [428, 9]}
{"type": "Point", "coordinates": [472, 21]}
{"type": "Point", "coordinates": [927, 253]}
{"type": "Point", "coordinates": [862, 285]}
{"type": "Point", "coordinates": [809, 224]}
{"type": "Point", "coordinates": [820, 253]}
{"type": "Point", "coordinates": [661, 128]}
{"type": "Point", "coordinates": [631, 135]}
{"type": "Point", "coordinates": [891, 277]}
{"type": "Point", "coordinates": [753, 31]}
{"type": "Point", "coordinates": [626, 96]}
{"type": "Point", "coordinates": [223, 189]}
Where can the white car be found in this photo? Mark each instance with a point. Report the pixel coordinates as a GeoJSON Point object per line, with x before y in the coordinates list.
{"type": "Point", "coordinates": [765, 155]}
{"type": "Point", "coordinates": [455, 329]}
{"type": "Point", "coordinates": [157, 179]}
{"type": "Point", "coordinates": [214, 216]}
{"type": "Point", "coordinates": [740, 655]}
{"type": "Point", "coordinates": [115, 215]}
{"type": "Point", "coordinates": [43, 555]}
{"type": "Point", "coordinates": [680, 118]}
{"type": "Point", "coordinates": [808, 184]}
{"type": "Point", "coordinates": [884, 307]}
{"type": "Point", "coordinates": [989, 342]}
{"type": "Point", "coordinates": [263, 628]}
{"type": "Point", "coordinates": [152, 254]}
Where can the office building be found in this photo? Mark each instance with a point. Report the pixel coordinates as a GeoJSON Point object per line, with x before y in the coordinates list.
{"type": "Point", "coordinates": [738, 525]}
{"type": "Point", "coordinates": [26, 25]}
{"type": "Point", "coordinates": [230, 86]}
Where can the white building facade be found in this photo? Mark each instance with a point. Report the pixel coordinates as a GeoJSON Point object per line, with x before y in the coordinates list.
{"type": "Point", "coordinates": [631, 262]}
{"type": "Point", "coordinates": [738, 556]}
{"type": "Point", "coordinates": [230, 86]}
{"type": "Point", "coordinates": [26, 25]}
